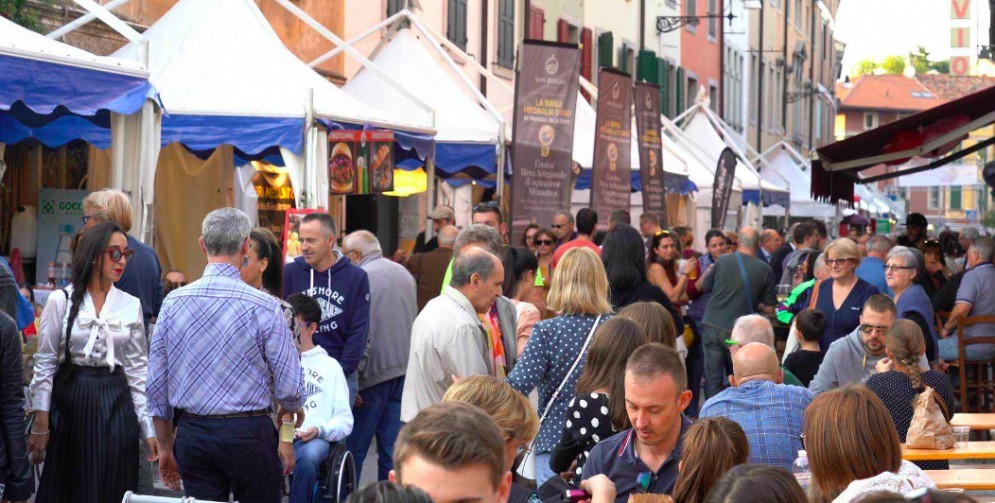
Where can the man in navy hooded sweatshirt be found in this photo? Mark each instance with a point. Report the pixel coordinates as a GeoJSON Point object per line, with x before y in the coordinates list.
{"type": "Point", "coordinates": [341, 289]}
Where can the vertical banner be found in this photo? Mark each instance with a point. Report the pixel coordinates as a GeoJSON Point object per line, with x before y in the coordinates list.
{"type": "Point", "coordinates": [647, 104]}
{"type": "Point", "coordinates": [611, 175]}
{"type": "Point", "coordinates": [725, 172]}
{"type": "Point", "coordinates": [545, 100]}
{"type": "Point", "coordinates": [60, 217]}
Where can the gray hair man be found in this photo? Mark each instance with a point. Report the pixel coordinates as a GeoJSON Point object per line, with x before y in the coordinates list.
{"type": "Point", "coordinates": [220, 355]}
{"type": "Point", "coordinates": [755, 328]}
{"type": "Point", "coordinates": [393, 307]}
{"type": "Point", "coordinates": [741, 284]}
{"type": "Point", "coordinates": [975, 297]}
{"type": "Point", "coordinates": [771, 413]}
{"type": "Point", "coordinates": [964, 239]}
{"type": "Point", "coordinates": [563, 226]}
{"type": "Point", "coordinates": [871, 268]}
{"type": "Point", "coordinates": [448, 340]}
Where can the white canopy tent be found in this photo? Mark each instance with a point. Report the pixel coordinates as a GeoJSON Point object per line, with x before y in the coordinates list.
{"type": "Point", "coordinates": [783, 162]}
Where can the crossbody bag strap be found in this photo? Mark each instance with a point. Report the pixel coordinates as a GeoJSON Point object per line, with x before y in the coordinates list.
{"type": "Point", "coordinates": [69, 325]}
{"type": "Point", "coordinates": [746, 282]}
{"type": "Point", "coordinates": [570, 372]}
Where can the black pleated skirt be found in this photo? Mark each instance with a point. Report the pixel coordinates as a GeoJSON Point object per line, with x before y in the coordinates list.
{"type": "Point", "coordinates": [92, 456]}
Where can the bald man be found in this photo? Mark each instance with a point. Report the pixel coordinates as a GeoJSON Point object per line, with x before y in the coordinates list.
{"type": "Point", "coordinates": [772, 414]}
{"type": "Point", "coordinates": [770, 241]}
{"type": "Point", "coordinates": [741, 284]}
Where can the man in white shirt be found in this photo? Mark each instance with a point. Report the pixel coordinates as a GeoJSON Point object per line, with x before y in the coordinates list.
{"type": "Point", "coordinates": [328, 416]}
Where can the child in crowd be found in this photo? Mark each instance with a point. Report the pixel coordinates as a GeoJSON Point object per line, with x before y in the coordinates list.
{"type": "Point", "coordinates": [328, 415]}
{"type": "Point", "coordinates": [804, 363]}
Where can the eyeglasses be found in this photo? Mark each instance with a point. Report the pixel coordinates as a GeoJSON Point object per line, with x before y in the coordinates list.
{"type": "Point", "coordinates": [869, 329]}
{"type": "Point", "coordinates": [542, 242]}
{"type": "Point", "coordinates": [115, 253]}
{"type": "Point", "coordinates": [86, 219]}
{"type": "Point", "coordinates": [488, 206]}
{"type": "Point", "coordinates": [833, 262]}
{"type": "Point", "coordinates": [895, 268]}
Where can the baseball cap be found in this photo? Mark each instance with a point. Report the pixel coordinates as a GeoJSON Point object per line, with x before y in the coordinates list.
{"type": "Point", "coordinates": [442, 212]}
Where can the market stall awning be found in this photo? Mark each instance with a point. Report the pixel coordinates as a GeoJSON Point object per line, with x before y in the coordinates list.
{"type": "Point", "coordinates": [225, 77]}
{"type": "Point", "coordinates": [466, 134]}
{"type": "Point", "coordinates": [931, 133]}
{"type": "Point", "coordinates": [784, 163]}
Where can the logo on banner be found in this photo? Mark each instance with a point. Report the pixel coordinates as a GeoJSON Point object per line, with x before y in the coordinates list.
{"type": "Point", "coordinates": [612, 156]}
{"type": "Point", "coordinates": [648, 102]}
{"type": "Point", "coordinates": [546, 136]}
{"type": "Point", "coordinates": [48, 207]}
{"type": "Point", "coordinates": [552, 65]}
{"type": "Point", "coordinates": [616, 91]}
{"type": "Point", "coordinates": [652, 157]}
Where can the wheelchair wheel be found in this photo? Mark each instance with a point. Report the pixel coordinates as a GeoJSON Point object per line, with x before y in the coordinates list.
{"type": "Point", "coordinates": [337, 479]}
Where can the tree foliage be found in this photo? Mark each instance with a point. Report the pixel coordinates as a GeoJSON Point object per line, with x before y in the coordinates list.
{"type": "Point", "coordinates": [893, 64]}
{"type": "Point", "coordinates": [18, 12]}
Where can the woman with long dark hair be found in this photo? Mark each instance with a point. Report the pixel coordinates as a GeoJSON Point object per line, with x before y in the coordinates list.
{"type": "Point", "coordinates": [262, 269]}
{"type": "Point", "coordinates": [89, 383]}
{"type": "Point", "coordinates": [623, 254]}
{"type": "Point", "coordinates": [598, 411]}
{"type": "Point", "coordinates": [662, 266]}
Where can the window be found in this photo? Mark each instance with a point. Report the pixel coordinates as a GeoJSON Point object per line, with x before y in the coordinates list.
{"type": "Point", "coordinates": [933, 199]}
{"type": "Point", "coordinates": [755, 95]}
{"type": "Point", "coordinates": [691, 9]}
{"type": "Point", "coordinates": [692, 91]}
{"type": "Point", "coordinates": [779, 100]}
{"type": "Point", "coordinates": [870, 120]}
{"type": "Point", "coordinates": [956, 202]}
{"type": "Point", "coordinates": [903, 193]}
{"type": "Point", "coordinates": [798, 14]}
{"type": "Point", "coordinates": [456, 23]}
{"type": "Point", "coordinates": [713, 95]}
{"type": "Point", "coordinates": [626, 57]}
{"type": "Point", "coordinates": [506, 33]}
{"type": "Point", "coordinates": [605, 44]}
{"type": "Point", "coordinates": [713, 22]}
{"type": "Point", "coordinates": [394, 6]}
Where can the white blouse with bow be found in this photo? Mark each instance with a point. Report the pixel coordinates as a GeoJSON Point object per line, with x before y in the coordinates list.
{"type": "Point", "coordinates": [115, 337]}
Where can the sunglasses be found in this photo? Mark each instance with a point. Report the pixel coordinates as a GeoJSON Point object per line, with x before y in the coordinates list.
{"type": "Point", "coordinates": [542, 242]}
{"type": "Point", "coordinates": [174, 284]}
{"type": "Point", "coordinates": [86, 219]}
{"type": "Point", "coordinates": [115, 253]}
{"type": "Point", "coordinates": [559, 226]}
{"type": "Point", "coordinates": [869, 329]}
{"type": "Point", "coordinates": [489, 205]}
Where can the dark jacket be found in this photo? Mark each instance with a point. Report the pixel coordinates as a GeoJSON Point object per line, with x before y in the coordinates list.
{"type": "Point", "coordinates": [343, 291]}
{"type": "Point", "coordinates": [777, 258]}
{"type": "Point", "coordinates": [143, 279]}
{"type": "Point", "coordinates": [945, 299]}
{"type": "Point", "coordinates": [8, 292]}
{"type": "Point", "coordinates": [622, 296]}
{"type": "Point", "coordinates": [14, 449]}
{"type": "Point", "coordinates": [429, 268]}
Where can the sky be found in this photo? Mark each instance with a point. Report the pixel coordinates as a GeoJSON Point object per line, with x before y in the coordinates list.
{"type": "Point", "coordinates": [878, 28]}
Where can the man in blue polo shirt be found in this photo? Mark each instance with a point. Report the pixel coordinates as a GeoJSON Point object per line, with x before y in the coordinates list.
{"type": "Point", "coordinates": [645, 458]}
{"type": "Point", "coordinates": [975, 297]}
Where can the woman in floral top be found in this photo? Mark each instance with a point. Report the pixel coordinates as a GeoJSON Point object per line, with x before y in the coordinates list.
{"type": "Point", "coordinates": [580, 297]}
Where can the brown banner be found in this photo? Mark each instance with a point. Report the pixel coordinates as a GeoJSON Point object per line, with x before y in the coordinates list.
{"type": "Point", "coordinates": [647, 104]}
{"type": "Point", "coordinates": [545, 100]}
{"type": "Point", "coordinates": [725, 172]}
{"type": "Point", "coordinates": [611, 175]}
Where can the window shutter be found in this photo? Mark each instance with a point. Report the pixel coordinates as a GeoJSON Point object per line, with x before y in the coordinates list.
{"type": "Point", "coordinates": [506, 33]}
{"type": "Point", "coordinates": [537, 21]}
{"type": "Point", "coordinates": [646, 68]}
{"type": "Point", "coordinates": [461, 23]}
{"type": "Point", "coordinates": [451, 21]}
{"type": "Point", "coordinates": [586, 53]}
{"type": "Point", "coordinates": [663, 71]}
{"type": "Point", "coordinates": [679, 95]}
{"type": "Point", "coordinates": [562, 30]}
{"type": "Point", "coordinates": [623, 59]}
{"type": "Point", "coordinates": [394, 6]}
{"type": "Point", "coordinates": [605, 47]}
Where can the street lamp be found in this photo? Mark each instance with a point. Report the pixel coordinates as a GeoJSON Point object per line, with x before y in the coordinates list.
{"type": "Point", "coordinates": [758, 5]}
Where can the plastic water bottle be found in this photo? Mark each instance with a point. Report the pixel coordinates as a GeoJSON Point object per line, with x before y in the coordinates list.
{"type": "Point", "coordinates": [802, 471]}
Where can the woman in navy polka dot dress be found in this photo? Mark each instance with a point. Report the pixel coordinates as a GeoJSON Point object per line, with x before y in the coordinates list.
{"type": "Point", "coordinates": [598, 411]}
{"type": "Point", "coordinates": [580, 297]}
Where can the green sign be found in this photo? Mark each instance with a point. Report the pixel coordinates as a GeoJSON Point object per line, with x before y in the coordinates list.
{"type": "Point", "coordinates": [883, 226]}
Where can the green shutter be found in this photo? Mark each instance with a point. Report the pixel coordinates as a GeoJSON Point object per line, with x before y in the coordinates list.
{"type": "Point", "coordinates": [663, 68]}
{"type": "Point", "coordinates": [647, 69]}
{"type": "Point", "coordinates": [955, 198]}
{"type": "Point", "coordinates": [506, 33]}
{"type": "Point", "coordinates": [606, 45]}
{"type": "Point", "coordinates": [679, 95]}
{"type": "Point", "coordinates": [623, 59]}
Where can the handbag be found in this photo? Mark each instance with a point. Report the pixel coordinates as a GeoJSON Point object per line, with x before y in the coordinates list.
{"type": "Point", "coordinates": [526, 468]}
{"type": "Point", "coordinates": [66, 369]}
{"type": "Point", "coordinates": [929, 428]}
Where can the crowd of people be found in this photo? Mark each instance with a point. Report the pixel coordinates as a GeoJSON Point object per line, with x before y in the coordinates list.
{"type": "Point", "coordinates": [613, 360]}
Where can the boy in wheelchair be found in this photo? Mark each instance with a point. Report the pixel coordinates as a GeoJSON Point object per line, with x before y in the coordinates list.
{"type": "Point", "coordinates": [328, 415]}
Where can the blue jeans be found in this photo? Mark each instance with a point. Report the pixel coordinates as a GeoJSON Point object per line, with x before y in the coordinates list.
{"type": "Point", "coordinates": [695, 369]}
{"type": "Point", "coordinates": [379, 415]}
{"type": "Point", "coordinates": [310, 456]}
{"type": "Point", "coordinates": [352, 380]}
{"type": "Point", "coordinates": [948, 350]}
{"type": "Point", "coordinates": [718, 362]}
{"type": "Point", "coordinates": [543, 471]}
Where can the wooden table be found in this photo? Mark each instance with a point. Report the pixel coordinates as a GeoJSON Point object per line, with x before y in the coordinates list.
{"type": "Point", "coordinates": [974, 450]}
{"type": "Point", "coordinates": [977, 421]}
{"type": "Point", "coordinates": [969, 479]}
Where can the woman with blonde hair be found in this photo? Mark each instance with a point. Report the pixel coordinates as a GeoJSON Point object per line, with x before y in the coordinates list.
{"type": "Point", "coordinates": [657, 323]}
{"type": "Point", "coordinates": [854, 448]}
{"type": "Point", "coordinates": [553, 358]}
{"type": "Point", "coordinates": [841, 296]}
{"type": "Point", "coordinates": [900, 378]}
{"type": "Point", "coordinates": [712, 446]}
{"type": "Point", "coordinates": [509, 409]}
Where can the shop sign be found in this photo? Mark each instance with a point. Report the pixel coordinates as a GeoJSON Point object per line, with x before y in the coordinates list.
{"type": "Point", "coordinates": [611, 174]}
{"type": "Point", "coordinates": [59, 219]}
{"type": "Point", "coordinates": [545, 101]}
{"type": "Point", "coordinates": [360, 162]}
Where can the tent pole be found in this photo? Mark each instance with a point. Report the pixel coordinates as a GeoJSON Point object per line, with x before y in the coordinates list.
{"type": "Point", "coordinates": [333, 38]}
{"type": "Point", "coordinates": [430, 192]}
{"type": "Point", "coordinates": [83, 20]}
{"type": "Point", "coordinates": [100, 12]}
{"type": "Point", "coordinates": [335, 52]}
